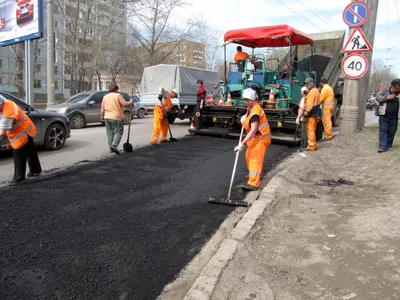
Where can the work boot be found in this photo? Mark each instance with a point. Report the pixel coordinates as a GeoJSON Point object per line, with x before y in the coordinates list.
{"type": "Point", "coordinates": [14, 182]}
{"type": "Point", "coordinates": [31, 174]}
{"type": "Point", "coordinates": [156, 144]}
{"type": "Point", "coordinates": [380, 150]}
{"type": "Point", "coordinates": [115, 150]}
{"type": "Point", "coordinates": [248, 187]}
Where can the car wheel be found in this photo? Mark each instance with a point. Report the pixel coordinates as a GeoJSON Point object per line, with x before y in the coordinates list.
{"type": "Point", "coordinates": [336, 116]}
{"type": "Point", "coordinates": [78, 121]}
{"type": "Point", "coordinates": [141, 113]}
{"type": "Point", "coordinates": [127, 116]}
{"type": "Point", "coordinates": [55, 137]}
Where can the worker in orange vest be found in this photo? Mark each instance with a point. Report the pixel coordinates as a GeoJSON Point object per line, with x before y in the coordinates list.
{"type": "Point", "coordinates": [312, 112]}
{"type": "Point", "coordinates": [160, 127]}
{"type": "Point", "coordinates": [258, 138]}
{"type": "Point", "coordinates": [328, 104]}
{"type": "Point", "coordinates": [20, 131]}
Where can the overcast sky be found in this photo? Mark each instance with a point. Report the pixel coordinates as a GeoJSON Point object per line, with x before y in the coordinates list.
{"type": "Point", "coordinates": [309, 16]}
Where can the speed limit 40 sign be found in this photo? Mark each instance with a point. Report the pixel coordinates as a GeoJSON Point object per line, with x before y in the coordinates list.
{"type": "Point", "coordinates": [355, 66]}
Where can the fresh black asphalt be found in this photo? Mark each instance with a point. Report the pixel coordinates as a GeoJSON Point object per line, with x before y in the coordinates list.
{"type": "Point", "coordinates": [120, 228]}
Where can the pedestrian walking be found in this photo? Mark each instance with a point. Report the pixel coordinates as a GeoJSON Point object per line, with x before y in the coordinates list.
{"type": "Point", "coordinates": [328, 105]}
{"type": "Point", "coordinates": [388, 112]}
{"type": "Point", "coordinates": [20, 131]}
{"type": "Point", "coordinates": [312, 112]}
{"type": "Point", "coordinates": [258, 138]}
{"type": "Point", "coordinates": [160, 125]}
{"type": "Point", "coordinates": [112, 113]}
{"type": "Point", "coordinates": [201, 98]}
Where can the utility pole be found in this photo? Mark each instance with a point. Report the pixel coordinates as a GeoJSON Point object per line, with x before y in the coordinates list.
{"type": "Point", "coordinates": [355, 92]}
{"type": "Point", "coordinates": [50, 53]}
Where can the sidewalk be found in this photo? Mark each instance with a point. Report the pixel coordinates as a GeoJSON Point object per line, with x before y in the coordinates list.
{"type": "Point", "coordinates": [336, 237]}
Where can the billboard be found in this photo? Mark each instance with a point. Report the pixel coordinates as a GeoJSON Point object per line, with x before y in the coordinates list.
{"type": "Point", "coordinates": [20, 20]}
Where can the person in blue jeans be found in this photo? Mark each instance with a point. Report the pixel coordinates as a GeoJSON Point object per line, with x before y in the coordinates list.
{"type": "Point", "coordinates": [388, 112]}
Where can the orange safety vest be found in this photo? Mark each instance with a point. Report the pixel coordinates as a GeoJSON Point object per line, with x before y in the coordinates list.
{"type": "Point", "coordinates": [22, 126]}
{"type": "Point", "coordinates": [327, 96]}
{"type": "Point", "coordinates": [166, 103]}
{"type": "Point", "coordinates": [263, 126]}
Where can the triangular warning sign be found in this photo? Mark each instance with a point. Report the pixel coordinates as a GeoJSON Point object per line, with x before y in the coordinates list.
{"type": "Point", "coordinates": [357, 43]}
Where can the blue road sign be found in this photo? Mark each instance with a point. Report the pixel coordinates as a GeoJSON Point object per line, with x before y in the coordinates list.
{"type": "Point", "coordinates": [356, 14]}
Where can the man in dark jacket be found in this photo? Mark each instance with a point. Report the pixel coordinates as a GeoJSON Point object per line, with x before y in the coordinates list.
{"type": "Point", "coordinates": [388, 115]}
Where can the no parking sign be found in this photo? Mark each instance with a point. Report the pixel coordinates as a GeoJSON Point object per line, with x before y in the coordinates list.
{"type": "Point", "coordinates": [356, 14]}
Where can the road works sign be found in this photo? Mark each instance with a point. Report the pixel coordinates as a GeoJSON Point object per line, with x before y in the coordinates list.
{"type": "Point", "coordinates": [356, 14]}
{"type": "Point", "coordinates": [357, 42]}
{"type": "Point", "coordinates": [355, 66]}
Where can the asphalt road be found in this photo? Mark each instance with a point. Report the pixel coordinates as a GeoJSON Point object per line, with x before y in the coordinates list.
{"type": "Point", "coordinates": [89, 144]}
{"type": "Point", "coordinates": [119, 228]}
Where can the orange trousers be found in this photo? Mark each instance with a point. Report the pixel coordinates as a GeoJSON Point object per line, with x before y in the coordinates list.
{"type": "Point", "coordinates": [327, 121]}
{"type": "Point", "coordinates": [160, 126]}
{"type": "Point", "coordinates": [255, 160]}
{"type": "Point", "coordinates": [311, 136]}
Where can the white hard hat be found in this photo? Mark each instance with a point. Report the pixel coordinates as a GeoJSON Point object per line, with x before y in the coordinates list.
{"type": "Point", "coordinates": [249, 94]}
{"type": "Point", "coordinates": [304, 89]}
{"type": "Point", "coordinates": [175, 91]}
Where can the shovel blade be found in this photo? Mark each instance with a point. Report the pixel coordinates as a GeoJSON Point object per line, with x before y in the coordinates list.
{"type": "Point", "coordinates": [228, 202]}
{"type": "Point", "coordinates": [128, 147]}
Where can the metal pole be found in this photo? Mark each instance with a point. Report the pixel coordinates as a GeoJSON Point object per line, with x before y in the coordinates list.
{"type": "Point", "coordinates": [29, 96]}
{"type": "Point", "coordinates": [26, 68]}
{"type": "Point", "coordinates": [50, 53]}
{"type": "Point", "coordinates": [354, 94]}
{"type": "Point", "coordinates": [225, 79]}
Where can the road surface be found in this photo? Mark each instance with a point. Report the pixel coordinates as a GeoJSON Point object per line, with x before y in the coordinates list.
{"type": "Point", "coordinates": [121, 227]}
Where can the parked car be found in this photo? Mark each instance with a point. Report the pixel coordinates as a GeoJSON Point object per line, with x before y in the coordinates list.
{"type": "Point", "coordinates": [52, 129]}
{"type": "Point", "coordinates": [138, 108]}
{"type": "Point", "coordinates": [85, 108]}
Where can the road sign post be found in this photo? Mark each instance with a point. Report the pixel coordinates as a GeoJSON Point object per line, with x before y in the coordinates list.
{"type": "Point", "coordinates": [355, 66]}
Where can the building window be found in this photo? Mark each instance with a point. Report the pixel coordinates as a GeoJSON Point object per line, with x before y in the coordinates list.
{"type": "Point", "coordinates": [1, 63]}
{"type": "Point", "coordinates": [38, 68]}
{"type": "Point", "coordinates": [68, 70]}
{"type": "Point", "coordinates": [39, 52]}
{"type": "Point", "coordinates": [67, 84]}
{"type": "Point", "coordinates": [1, 80]}
{"type": "Point", "coordinates": [56, 84]}
{"type": "Point", "coordinates": [37, 83]}
{"type": "Point", "coordinates": [55, 24]}
{"type": "Point", "coordinates": [55, 69]}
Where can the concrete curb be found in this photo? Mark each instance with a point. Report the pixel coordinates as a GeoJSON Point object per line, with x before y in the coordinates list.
{"type": "Point", "coordinates": [204, 286]}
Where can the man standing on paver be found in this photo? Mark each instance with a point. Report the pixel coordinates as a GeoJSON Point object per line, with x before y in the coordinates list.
{"type": "Point", "coordinates": [328, 104]}
{"type": "Point", "coordinates": [388, 115]}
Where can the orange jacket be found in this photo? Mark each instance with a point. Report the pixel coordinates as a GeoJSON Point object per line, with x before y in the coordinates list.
{"type": "Point", "coordinates": [22, 125]}
{"type": "Point", "coordinates": [241, 56]}
{"type": "Point", "coordinates": [166, 103]}
{"type": "Point", "coordinates": [263, 126]}
{"type": "Point", "coordinates": [327, 96]}
{"type": "Point", "coordinates": [312, 103]}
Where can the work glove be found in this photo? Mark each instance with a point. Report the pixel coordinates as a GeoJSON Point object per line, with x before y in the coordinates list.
{"type": "Point", "coordinates": [160, 97]}
{"type": "Point", "coordinates": [242, 119]}
{"type": "Point", "coordinates": [298, 121]}
{"type": "Point", "coordinates": [239, 147]}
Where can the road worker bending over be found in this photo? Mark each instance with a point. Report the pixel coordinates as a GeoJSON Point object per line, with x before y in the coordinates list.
{"type": "Point", "coordinates": [160, 128]}
{"type": "Point", "coordinates": [328, 104]}
{"type": "Point", "coordinates": [20, 131]}
{"type": "Point", "coordinates": [257, 139]}
{"type": "Point", "coordinates": [312, 112]}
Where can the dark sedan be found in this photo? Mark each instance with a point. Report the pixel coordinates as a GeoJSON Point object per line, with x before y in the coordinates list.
{"type": "Point", "coordinates": [85, 108]}
{"type": "Point", "coordinates": [52, 128]}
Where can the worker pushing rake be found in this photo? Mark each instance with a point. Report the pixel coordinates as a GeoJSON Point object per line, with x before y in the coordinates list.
{"type": "Point", "coordinates": [257, 139]}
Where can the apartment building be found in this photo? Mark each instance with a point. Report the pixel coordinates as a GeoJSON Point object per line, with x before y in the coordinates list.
{"type": "Point", "coordinates": [187, 53]}
{"type": "Point", "coordinates": [82, 31]}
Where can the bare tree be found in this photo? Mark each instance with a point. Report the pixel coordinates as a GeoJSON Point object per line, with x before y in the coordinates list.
{"type": "Point", "coordinates": [380, 74]}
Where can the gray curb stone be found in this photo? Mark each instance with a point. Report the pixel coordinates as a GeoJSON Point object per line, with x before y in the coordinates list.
{"type": "Point", "coordinates": [204, 286]}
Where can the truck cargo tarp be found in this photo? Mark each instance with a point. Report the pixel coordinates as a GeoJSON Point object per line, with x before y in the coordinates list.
{"type": "Point", "coordinates": [268, 36]}
{"type": "Point", "coordinates": [182, 78]}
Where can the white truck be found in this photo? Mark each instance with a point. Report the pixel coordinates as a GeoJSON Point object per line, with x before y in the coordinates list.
{"type": "Point", "coordinates": [182, 78]}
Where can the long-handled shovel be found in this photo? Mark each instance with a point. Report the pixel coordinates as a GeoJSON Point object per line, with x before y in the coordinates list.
{"type": "Point", "coordinates": [228, 200]}
{"type": "Point", "coordinates": [127, 146]}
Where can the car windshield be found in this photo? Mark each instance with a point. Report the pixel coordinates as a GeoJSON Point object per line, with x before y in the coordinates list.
{"type": "Point", "coordinates": [78, 98]}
